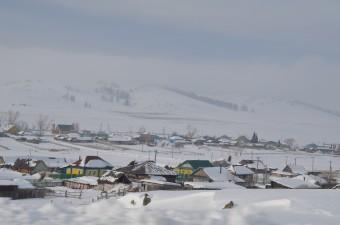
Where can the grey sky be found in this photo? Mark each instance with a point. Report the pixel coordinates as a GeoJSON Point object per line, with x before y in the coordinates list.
{"type": "Point", "coordinates": [281, 48]}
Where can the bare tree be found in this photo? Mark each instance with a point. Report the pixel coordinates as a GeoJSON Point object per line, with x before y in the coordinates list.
{"type": "Point", "coordinates": [42, 124]}
{"type": "Point", "coordinates": [291, 142]}
{"type": "Point", "coordinates": [191, 131]}
{"type": "Point", "coordinates": [12, 117]}
{"type": "Point", "coordinates": [21, 125]}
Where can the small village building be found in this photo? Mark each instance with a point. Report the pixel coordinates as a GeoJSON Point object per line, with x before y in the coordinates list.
{"type": "Point", "coordinates": [120, 139]}
{"type": "Point", "coordinates": [244, 173]}
{"type": "Point", "coordinates": [158, 184]}
{"type": "Point", "coordinates": [147, 169]}
{"type": "Point", "coordinates": [256, 166]}
{"type": "Point", "coordinates": [112, 179]}
{"type": "Point", "coordinates": [291, 183]}
{"type": "Point", "coordinates": [215, 174]}
{"type": "Point", "coordinates": [16, 185]}
{"type": "Point", "coordinates": [38, 164]}
{"type": "Point", "coordinates": [187, 168]}
{"type": "Point", "coordinates": [11, 129]}
{"type": "Point", "coordinates": [88, 166]}
{"type": "Point", "coordinates": [211, 185]}
{"type": "Point", "coordinates": [295, 169]}
{"type": "Point", "coordinates": [84, 182]}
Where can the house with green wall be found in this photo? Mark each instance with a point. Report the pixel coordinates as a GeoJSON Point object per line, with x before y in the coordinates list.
{"type": "Point", "coordinates": [185, 170]}
{"type": "Point", "coordinates": [88, 166]}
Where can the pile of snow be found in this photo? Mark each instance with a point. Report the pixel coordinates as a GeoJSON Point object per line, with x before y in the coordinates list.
{"type": "Point", "coordinates": [252, 207]}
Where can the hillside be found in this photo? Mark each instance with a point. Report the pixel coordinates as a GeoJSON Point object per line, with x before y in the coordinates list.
{"type": "Point", "coordinates": [110, 107]}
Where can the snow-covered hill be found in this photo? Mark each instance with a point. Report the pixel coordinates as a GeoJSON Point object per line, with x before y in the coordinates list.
{"type": "Point", "coordinates": [110, 107]}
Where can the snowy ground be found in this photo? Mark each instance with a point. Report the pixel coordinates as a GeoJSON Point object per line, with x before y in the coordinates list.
{"type": "Point", "coordinates": [265, 207]}
{"type": "Point", "coordinates": [256, 207]}
{"type": "Point", "coordinates": [122, 155]}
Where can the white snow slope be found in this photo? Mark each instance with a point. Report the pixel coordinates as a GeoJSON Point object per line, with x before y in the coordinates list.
{"type": "Point", "coordinates": [158, 110]}
{"type": "Point", "coordinates": [252, 207]}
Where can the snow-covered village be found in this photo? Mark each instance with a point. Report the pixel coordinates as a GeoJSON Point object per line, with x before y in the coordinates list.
{"type": "Point", "coordinates": [169, 112]}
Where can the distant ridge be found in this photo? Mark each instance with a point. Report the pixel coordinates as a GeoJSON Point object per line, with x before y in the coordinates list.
{"type": "Point", "coordinates": [219, 103]}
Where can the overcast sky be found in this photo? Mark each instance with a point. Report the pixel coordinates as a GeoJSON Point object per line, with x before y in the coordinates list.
{"type": "Point", "coordinates": [286, 49]}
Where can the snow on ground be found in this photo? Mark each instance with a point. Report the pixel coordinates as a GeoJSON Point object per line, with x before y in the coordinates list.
{"type": "Point", "coordinates": [122, 155]}
{"type": "Point", "coordinates": [255, 207]}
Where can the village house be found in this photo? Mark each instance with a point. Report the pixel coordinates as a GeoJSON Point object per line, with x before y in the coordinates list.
{"type": "Point", "coordinates": [244, 173]}
{"type": "Point", "coordinates": [291, 183]}
{"type": "Point", "coordinates": [88, 166]}
{"type": "Point", "coordinates": [215, 174]}
{"type": "Point", "coordinates": [81, 182]}
{"type": "Point", "coordinates": [158, 184]}
{"type": "Point", "coordinates": [120, 139]}
{"type": "Point", "coordinates": [187, 168]}
{"type": "Point", "coordinates": [147, 169]}
{"type": "Point", "coordinates": [11, 129]}
{"type": "Point", "coordinates": [37, 164]}
{"type": "Point", "coordinates": [111, 179]}
{"type": "Point", "coordinates": [295, 169]}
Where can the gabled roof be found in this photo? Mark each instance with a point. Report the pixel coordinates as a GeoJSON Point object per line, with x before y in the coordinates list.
{"type": "Point", "coordinates": [240, 170]}
{"type": "Point", "coordinates": [296, 169]}
{"type": "Point", "coordinates": [92, 162]}
{"type": "Point", "coordinates": [147, 168]}
{"type": "Point", "coordinates": [195, 164]}
{"type": "Point", "coordinates": [294, 183]}
{"type": "Point", "coordinates": [217, 174]}
{"type": "Point", "coordinates": [213, 185]}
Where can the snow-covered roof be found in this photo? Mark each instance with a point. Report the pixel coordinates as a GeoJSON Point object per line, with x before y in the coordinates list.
{"type": "Point", "coordinates": [6, 174]}
{"type": "Point", "coordinates": [213, 185]}
{"type": "Point", "coordinates": [120, 138]}
{"type": "Point", "coordinates": [85, 180]}
{"type": "Point", "coordinates": [240, 170]}
{"type": "Point", "coordinates": [148, 168]}
{"type": "Point", "coordinates": [111, 176]}
{"type": "Point", "coordinates": [92, 162]}
{"type": "Point", "coordinates": [152, 181]}
{"type": "Point", "coordinates": [294, 183]}
{"type": "Point", "coordinates": [220, 174]}
{"type": "Point", "coordinates": [312, 179]}
{"type": "Point", "coordinates": [296, 169]}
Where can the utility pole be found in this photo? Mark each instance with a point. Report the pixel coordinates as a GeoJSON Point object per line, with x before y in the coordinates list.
{"type": "Point", "coordinates": [330, 172]}
{"type": "Point", "coordinates": [257, 168]}
{"type": "Point", "coordinates": [156, 152]}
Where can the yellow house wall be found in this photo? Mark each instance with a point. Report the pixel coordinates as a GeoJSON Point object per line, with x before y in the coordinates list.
{"type": "Point", "coordinates": [183, 171]}
{"type": "Point", "coordinates": [74, 171]}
